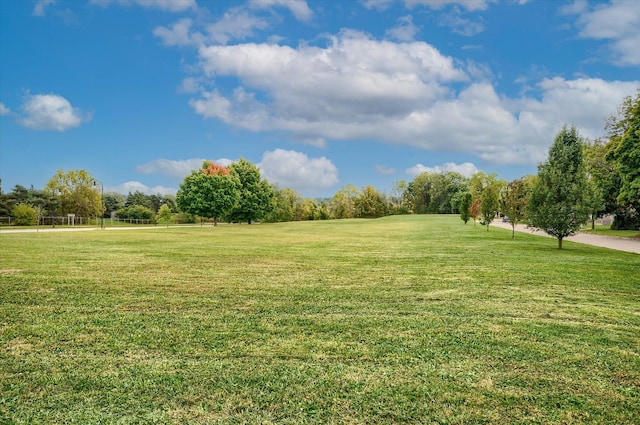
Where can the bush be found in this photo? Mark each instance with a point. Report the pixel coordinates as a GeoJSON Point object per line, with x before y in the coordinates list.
{"type": "Point", "coordinates": [136, 212]}
{"type": "Point", "coordinates": [25, 215]}
{"type": "Point", "coordinates": [184, 218]}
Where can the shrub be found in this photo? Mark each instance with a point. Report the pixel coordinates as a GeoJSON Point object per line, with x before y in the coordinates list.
{"type": "Point", "coordinates": [25, 215]}
{"type": "Point", "coordinates": [136, 212]}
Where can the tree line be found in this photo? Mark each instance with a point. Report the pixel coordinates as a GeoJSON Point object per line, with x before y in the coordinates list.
{"type": "Point", "coordinates": [580, 180]}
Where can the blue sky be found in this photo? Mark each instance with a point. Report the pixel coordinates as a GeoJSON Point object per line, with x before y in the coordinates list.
{"type": "Point", "coordinates": [318, 94]}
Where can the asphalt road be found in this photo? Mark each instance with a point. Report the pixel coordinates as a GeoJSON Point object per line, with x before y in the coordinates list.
{"type": "Point", "coordinates": [620, 244]}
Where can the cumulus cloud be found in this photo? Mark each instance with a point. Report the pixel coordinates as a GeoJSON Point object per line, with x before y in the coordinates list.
{"type": "Point", "coordinates": [297, 171]}
{"type": "Point", "coordinates": [177, 169]}
{"type": "Point", "coordinates": [4, 110]}
{"type": "Point", "coordinates": [166, 5]}
{"type": "Point", "coordinates": [359, 88]}
{"type": "Point", "coordinates": [50, 112]}
{"type": "Point", "coordinates": [467, 169]}
{"type": "Point", "coordinates": [136, 186]}
{"type": "Point", "coordinates": [618, 22]}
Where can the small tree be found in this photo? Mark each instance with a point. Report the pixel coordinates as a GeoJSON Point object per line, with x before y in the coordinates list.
{"type": "Point", "coordinates": [489, 205]}
{"type": "Point", "coordinates": [558, 200]}
{"type": "Point", "coordinates": [465, 207]}
{"type": "Point", "coordinates": [164, 214]}
{"type": "Point", "coordinates": [474, 211]}
{"type": "Point", "coordinates": [25, 215]}
{"type": "Point", "coordinates": [513, 202]}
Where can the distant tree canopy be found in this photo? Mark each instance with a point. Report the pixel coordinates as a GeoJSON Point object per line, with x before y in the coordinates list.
{"type": "Point", "coordinates": [76, 192]}
{"type": "Point", "coordinates": [208, 194]}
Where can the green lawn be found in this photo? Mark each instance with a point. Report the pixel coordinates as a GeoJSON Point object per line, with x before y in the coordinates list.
{"type": "Point", "coordinates": [413, 319]}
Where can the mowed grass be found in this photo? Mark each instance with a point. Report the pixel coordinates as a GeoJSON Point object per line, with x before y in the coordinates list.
{"type": "Point", "coordinates": [413, 319]}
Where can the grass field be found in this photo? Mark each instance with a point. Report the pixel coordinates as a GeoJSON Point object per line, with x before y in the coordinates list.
{"type": "Point", "coordinates": [413, 319]}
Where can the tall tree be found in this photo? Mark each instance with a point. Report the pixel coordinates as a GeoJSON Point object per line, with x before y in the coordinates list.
{"type": "Point", "coordinates": [256, 194]}
{"type": "Point", "coordinates": [627, 156]}
{"type": "Point", "coordinates": [604, 180]}
{"type": "Point", "coordinates": [558, 200]}
{"type": "Point", "coordinates": [76, 190]}
{"type": "Point", "coordinates": [208, 195]}
{"type": "Point", "coordinates": [624, 152]}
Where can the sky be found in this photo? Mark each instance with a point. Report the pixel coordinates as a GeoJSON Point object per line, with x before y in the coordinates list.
{"type": "Point", "coordinates": [317, 94]}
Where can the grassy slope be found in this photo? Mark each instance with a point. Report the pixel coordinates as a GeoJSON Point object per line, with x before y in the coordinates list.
{"type": "Point", "coordinates": [416, 319]}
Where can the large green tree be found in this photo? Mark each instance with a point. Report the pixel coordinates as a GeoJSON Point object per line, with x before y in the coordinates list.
{"type": "Point", "coordinates": [256, 194]}
{"type": "Point", "coordinates": [208, 194]}
{"type": "Point", "coordinates": [627, 156]}
{"type": "Point", "coordinates": [624, 152]}
{"type": "Point", "coordinates": [78, 193]}
{"type": "Point", "coordinates": [558, 200]}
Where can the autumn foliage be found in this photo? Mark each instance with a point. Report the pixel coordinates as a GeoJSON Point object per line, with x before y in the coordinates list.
{"type": "Point", "coordinates": [213, 169]}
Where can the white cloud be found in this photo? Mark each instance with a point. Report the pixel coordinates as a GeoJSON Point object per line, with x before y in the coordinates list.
{"type": "Point", "coordinates": [470, 5]}
{"type": "Point", "coordinates": [460, 25]}
{"type": "Point", "coordinates": [384, 170]}
{"type": "Point", "coordinates": [136, 186]}
{"type": "Point", "coordinates": [4, 110]}
{"type": "Point", "coordinates": [467, 169]}
{"type": "Point", "coordinates": [299, 8]}
{"type": "Point", "coordinates": [50, 112]}
{"type": "Point", "coordinates": [378, 5]}
{"type": "Point", "coordinates": [359, 88]}
{"type": "Point", "coordinates": [41, 6]}
{"type": "Point", "coordinates": [166, 5]}
{"type": "Point", "coordinates": [236, 24]}
{"type": "Point", "coordinates": [405, 30]}
{"type": "Point", "coordinates": [297, 171]}
{"type": "Point", "coordinates": [178, 35]}
{"type": "Point", "coordinates": [617, 21]}
{"type": "Point", "coordinates": [320, 93]}
{"type": "Point", "coordinates": [177, 169]}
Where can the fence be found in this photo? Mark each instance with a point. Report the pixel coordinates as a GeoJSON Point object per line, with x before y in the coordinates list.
{"type": "Point", "coordinates": [77, 221]}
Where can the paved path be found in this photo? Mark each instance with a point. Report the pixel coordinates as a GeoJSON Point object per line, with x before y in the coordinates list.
{"type": "Point", "coordinates": [620, 244]}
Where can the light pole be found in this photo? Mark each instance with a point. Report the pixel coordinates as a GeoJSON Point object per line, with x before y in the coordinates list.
{"type": "Point", "coordinates": [95, 184]}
